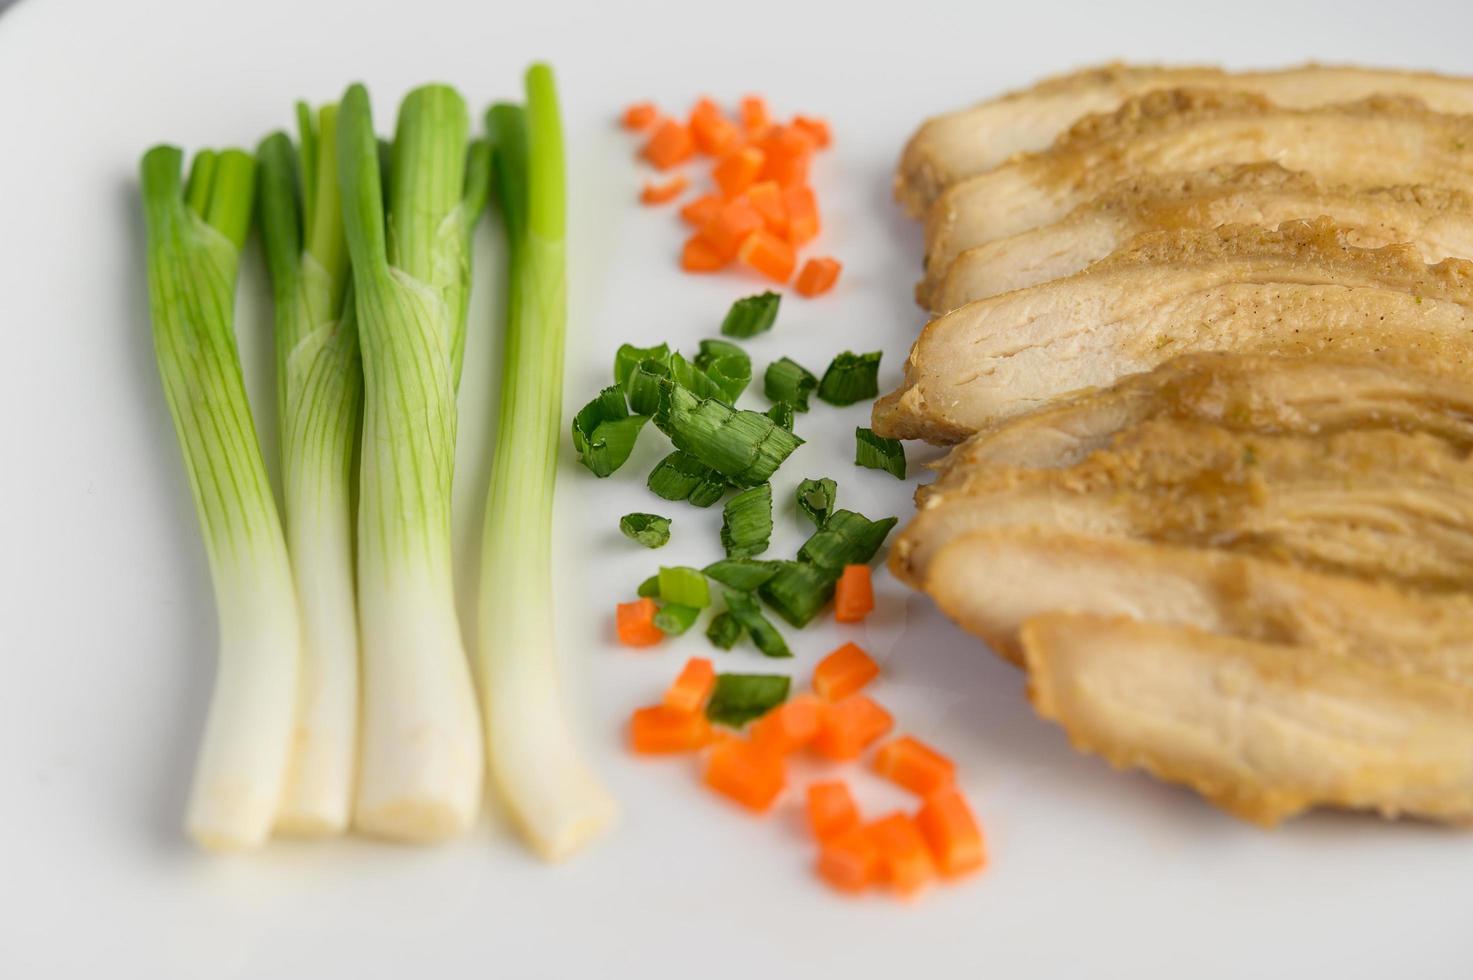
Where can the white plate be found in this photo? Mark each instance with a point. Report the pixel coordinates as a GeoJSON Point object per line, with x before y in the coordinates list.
{"type": "Point", "coordinates": [107, 630]}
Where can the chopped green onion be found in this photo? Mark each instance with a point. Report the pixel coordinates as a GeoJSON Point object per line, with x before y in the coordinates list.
{"type": "Point", "coordinates": [680, 476]}
{"type": "Point", "coordinates": [650, 530]}
{"type": "Point", "coordinates": [643, 385]}
{"type": "Point", "coordinates": [724, 631]}
{"type": "Point", "coordinates": [816, 499]}
{"type": "Point", "coordinates": [745, 447]}
{"type": "Point", "coordinates": [782, 414]}
{"type": "Point", "coordinates": [878, 453]}
{"type": "Point", "coordinates": [728, 367]}
{"type": "Point", "coordinates": [684, 586]}
{"type": "Point", "coordinates": [688, 376]}
{"type": "Point", "coordinates": [799, 590]}
{"type": "Point", "coordinates": [649, 588]}
{"type": "Point", "coordinates": [743, 609]}
{"type": "Point", "coordinates": [604, 432]}
{"type": "Point", "coordinates": [628, 357]}
{"type": "Point", "coordinates": [746, 522]}
{"type": "Point", "coordinates": [712, 349]}
{"type": "Point", "coordinates": [788, 381]}
{"type": "Point", "coordinates": [851, 378]}
{"type": "Point", "coordinates": [846, 538]}
{"type": "Point", "coordinates": [752, 315]}
{"type": "Point", "coordinates": [742, 574]}
{"type": "Point", "coordinates": [740, 698]}
{"type": "Point", "coordinates": [674, 619]}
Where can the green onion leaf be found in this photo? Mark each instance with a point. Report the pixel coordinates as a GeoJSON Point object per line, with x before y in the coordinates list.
{"type": "Point", "coordinates": [688, 376]}
{"type": "Point", "coordinates": [740, 698]}
{"type": "Point", "coordinates": [878, 453]}
{"type": "Point", "coordinates": [742, 574]}
{"type": "Point", "coordinates": [743, 609]}
{"type": "Point", "coordinates": [649, 588]}
{"type": "Point", "coordinates": [680, 476]}
{"type": "Point", "coordinates": [712, 350]}
{"type": "Point", "coordinates": [674, 619]}
{"type": "Point", "coordinates": [788, 381]}
{"type": "Point", "coordinates": [684, 586]}
{"type": "Point", "coordinates": [798, 591]}
{"type": "Point", "coordinates": [650, 530]}
{"type": "Point", "coordinates": [851, 378]}
{"type": "Point", "coordinates": [745, 447]}
{"type": "Point", "coordinates": [643, 385]}
{"type": "Point", "coordinates": [628, 357]}
{"type": "Point", "coordinates": [746, 522]}
{"type": "Point", "coordinates": [846, 538]}
{"type": "Point", "coordinates": [724, 631]}
{"type": "Point", "coordinates": [816, 499]}
{"type": "Point", "coordinates": [727, 365]}
{"type": "Point", "coordinates": [604, 432]}
{"type": "Point", "coordinates": [782, 414]}
{"type": "Point", "coordinates": [751, 316]}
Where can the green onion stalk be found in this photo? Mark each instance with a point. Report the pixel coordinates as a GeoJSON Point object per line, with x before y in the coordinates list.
{"type": "Point", "coordinates": [195, 236]}
{"type": "Point", "coordinates": [548, 788]}
{"type": "Point", "coordinates": [320, 394]}
{"type": "Point", "coordinates": [421, 764]}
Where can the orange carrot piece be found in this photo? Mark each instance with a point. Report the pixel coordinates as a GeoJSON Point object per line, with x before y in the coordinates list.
{"type": "Point", "coordinates": [788, 727]}
{"type": "Point", "coordinates": [662, 729]}
{"type": "Point", "coordinates": [767, 198]}
{"type": "Point", "coordinates": [668, 191]}
{"type": "Point", "coordinates": [905, 860]}
{"type": "Point", "coordinates": [816, 278]}
{"type": "Point", "coordinates": [913, 764]}
{"type": "Point", "coordinates": [746, 773]}
{"type": "Point", "coordinates": [817, 128]}
{"type": "Point", "coordinates": [789, 151]}
{"type": "Point", "coordinates": [846, 727]}
{"type": "Point", "coordinates": [849, 862]}
{"type": "Point", "coordinates": [726, 232]}
{"type": "Point", "coordinates": [635, 623]}
{"type": "Point", "coordinates": [790, 141]}
{"type": "Point", "coordinates": [713, 133]}
{"type": "Point", "coordinates": [701, 210]}
{"type": "Point", "coordinates": [802, 210]}
{"type": "Point", "coordinates": [756, 119]}
{"type": "Point", "coordinates": [831, 810]}
{"type": "Point", "coordinates": [669, 145]}
{"type": "Point", "coordinates": [854, 596]}
{"type": "Point", "coordinates": [639, 116]}
{"type": "Point", "coordinates": [736, 171]}
{"type": "Point", "coordinates": [843, 672]}
{"type": "Point", "coordinates": [768, 255]}
{"type": "Point", "coordinates": [952, 833]}
{"type": "Point", "coordinates": [699, 255]}
{"type": "Point", "coordinates": [691, 689]}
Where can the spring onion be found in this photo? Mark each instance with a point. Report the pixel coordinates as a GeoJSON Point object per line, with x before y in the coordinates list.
{"type": "Point", "coordinates": [816, 499]}
{"type": "Point", "coordinates": [727, 365]}
{"type": "Point", "coordinates": [878, 453]}
{"type": "Point", "coordinates": [421, 758]}
{"type": "Point", "coordinates": [320, 394]}
{"type": "Point", "coordinates": [786, 380]}
{"type": "Point", "coordinates": [680, 476]}
{"type": "Point", "coordinates": [693, 379]}
{"type": "Point", "coordinates": [746, 522]}
{"type": "Point", "coordinates": [741, 574]}
{"type": "Point", "coordinates": [684, 586]}
{"type": "Point", "coordinates": [745, 447]}
{"type": "Point", "coordinates": [673, 619]}
{"type": "Point", "coordinates": [798, 591]}
{"type": "Point", "coordinates": [851, 378]}
{"type": "Point", "coordinates": [782, 414]}
{"type": "Point", "coordinates": [649, 588]}
{"type": "Point", "coordinates": [643, 386]}
{"type": "Point", "coordinates": [628, 357]}
{"type": "Point", "coordinates": [724, 631]}
{"type": "Point", "coordinates": [650, 530]}
{"type": "Point", "coordinates": [743, 609]}
{"type": "Point", "coordinates": [751, 316]}
{"type": "Point", "coordinates": [740, 698]}
{"type": "Point", "coordinates": [604, 432]}
{"type": "Point", "coordinates": [846, 538]}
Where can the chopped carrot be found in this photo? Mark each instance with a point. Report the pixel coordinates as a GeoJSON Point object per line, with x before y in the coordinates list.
{"type": "Point", "coordinates": [788, 727]}
{"type": "Point", "coordinates": [789, 151]}
{"type": "Point", "coordinates": [768, 255]}
{"type": "Point", "coordinates": [816, 278]}
{"type": "Point", "coordinates": [693, 686]}
{"type": "Point", "coordinates": [701, 210]}
{"type": "Point", "coordinates": [699, 255]}
{"type": "Point", "coordinates": [816, 128]}
{"type": "Point", "coordinates": [913, 764]}
{"type": "Point", "coordinates": [661, 729]}
{"type": "Point", "coordinates": [802, 210]}
{"type": "Point", "coordinates": [669, 145]}
{"type": "Point", "coordinates": [854, 596]}
{"type": "Point", "coordinates": [746, 773]}
{"type": "Point", "coordinates": [736, 171]}
{"type": "Point", "coordinates": [846, 727]}
{"type": "Point", "coordinates": [714, 134]}
{"type": "Point", "coordinates": [843, 672]}
{"type": "Point", "coordinates": [849, 862]}
{"type": "Point", "coordinates": [905, 860]}
{"type": "Point", "coordinates": [831, 810]}
{"type": "Point", "coordinates": [767, 198]}
{"type": "Point", "coordinates": [756, 120]}
{"type": "Point", "coordinates": [668, 191]}
{"type": "Point", "coordinates": [641, 115]}
{"type": "Point", "coordinates": [726, 232]}
{"type": "Point", "coordinates": [635, 623]}
{"type": "Point", "coordinates": [952, 833]}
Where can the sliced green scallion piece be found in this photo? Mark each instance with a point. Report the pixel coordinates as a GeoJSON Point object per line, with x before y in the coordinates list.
{"type": "Point", "coordinates": [650, 530]}
{"type": "Point", "coordinates": [674, 619]}
{"type": "Point", "coordinates": [752, 315]}
{"type": "Point", "coordinates": [688, 376]}
{"type": "Point", "coordinates": [782, 414]}
{"type": "Point", "coordinates": [728, 367]}
{"type": "Point", "coordinates": [816, 499]}
{"type": "Point", "coordinates": [878, 453]}
{"type": "Point", "coordinates": [745, 447]}
{"type": "Point", "coordinates": [744, 610]}
{"type": "Point", "coordinates": [724, 631]}
{"type": "Point", "coordinates": [851, 378]}
{"type": "Point", "coordinates": [649, 588]}
{"type": "Point", "coordinates": [742, 574]}
{"type": "Point", "coordinates": [746, 522]}
{"type": "Point", "coordinates": [684, 586]}
{"type": "Point", "coordinates": [740, 698]}
{"type": "Point", "coordinates": [643, 385]}
{"type": "Point", "coordinates": [604, 432]}
{"type": "Point", "coordinates": [846, 538]}
{"type": "Point", "coordinates": [786, 380]}
{"type": "Point", "coordinates": [628, 357]}
{"type": "Point", "coordinates": [798, 591]}
{"type": "Point", "coordinates": [680, 476]}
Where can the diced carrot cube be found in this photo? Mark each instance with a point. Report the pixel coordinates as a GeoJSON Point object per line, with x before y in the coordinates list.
{"type": "Point", "coordinates": [693, 686]}
{"type": "Point", "coordinates": [768, 255]}
{"type": "Point", "coordinates": [904, 859]}
{"type": "Point", "coordinates": [843, 672]}
{"type": "Point", "coordinates": [854, 596]}
{"type": "Point", "coordinates": [736, 171]}
{"type": "Point", "coordinates": [736, 220]}
{"type": "Point", "coordinates": [701, 210]}
{"type": "Point", "coordinates": [788, 727]}
{"type": "Point", "coordinates": [669, 145]}
{"type": "Point", "coordinates": [816, 278]}
{"type": "Point", "coordinates": [802, 210]}
{"type": "Point", "coordinates": [846, 728]}
{"type": "Point", "coordinates": [713, 133]}
{"type": "Point", "coordinates": [849, 862]}
{"type": "Point", "coordinates": [789, 151]}
{"type": "Point", "coordinates": [790, 141]}
{"type": "Point", "coordinates": [816, 128]}
{"type": "Point", "coordinates": [662, 729]}
{"type": "Point", "coordinates": [831, 810]}
{"type": "Point", "coordinates": [660, 193]}
{"type": "Point", "coordinates": [640, 116]}
{"type": "Point", "coordinates": [746, 773]}
{"type": "Point", "coordinates": [756, 119]}
{"type": "Point", "coordinates": [913, 764]}
{"type": "Point", "coordinates": [952, 833]}
{"type": "Point", "coordinates": [635, 623]}
{"type": "Point", "coordinates": [699, 255]}
{"type": "Point", "coordinates": [767, 198]}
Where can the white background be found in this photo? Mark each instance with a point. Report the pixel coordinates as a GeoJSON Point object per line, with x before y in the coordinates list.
{"type": "Point", "coordinates": [107, 630]}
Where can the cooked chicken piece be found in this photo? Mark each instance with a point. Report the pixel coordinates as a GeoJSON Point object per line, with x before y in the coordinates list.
{"type": "Point", "coordinates": [1261, 730]}
{"type": "Point", "coordinates": [1378, 142]}
{"type": "Point", "coordinates": [991, 581]}
{"type": "Point", "coordinates": [961, 144]}
{"type": "Point", "coordinates": [1438, 223]}
{"type": "Point", "coordinates": [1296, 290]}
{"type": "Point", "coordinates": [1378, 504]}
